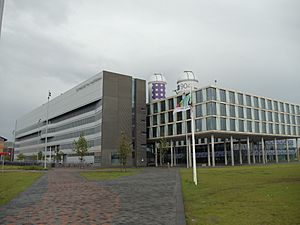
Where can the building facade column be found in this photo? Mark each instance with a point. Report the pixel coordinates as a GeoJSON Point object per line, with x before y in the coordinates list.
{"type": "Point", "coordinates": [213, 150]}
{"type": "Point", "coordinates": [174, 160]}
{"type": "Point", "coordinates": [253, 152]}
{"type": "Point", "coordinates": [287, 150]}
{"type": "Point", "coordinates": [225, 152]}
{"type": "Point", "coordinates": [171, 153]}
{"type": "Point", "coordinates": [248, 151]}
{"type": "Point", "coordinates": [276, 150]}
{"type": "Point", "coordinates": [240, 152]}
{"type": "Point", "coordinates": [208, 153]}
{"type": "Point", "coordinates": [231, 149]}
{"type": "Point", "coordinates": [263, 151]}
{"type": "Point", "coordinates": [155, 149]}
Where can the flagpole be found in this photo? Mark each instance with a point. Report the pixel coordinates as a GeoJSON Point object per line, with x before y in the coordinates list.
{"type": "Point", "coordinates": [193, 140]}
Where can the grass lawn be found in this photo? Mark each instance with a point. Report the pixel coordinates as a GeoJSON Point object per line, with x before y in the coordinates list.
{"type": "Point", "coordinates": [243, 195]}
{"type": "Point", "coordinates": [9, 167]}
{"type": "Point", "coordinates": [12, 183]}
{"type": "Point", "coordinates": [108, 174]}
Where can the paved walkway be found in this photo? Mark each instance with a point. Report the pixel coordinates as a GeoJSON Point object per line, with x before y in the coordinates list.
{"type": "Point", "coordinates": [62, 196]}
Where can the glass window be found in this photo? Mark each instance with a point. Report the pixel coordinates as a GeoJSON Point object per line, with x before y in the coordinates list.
{"type": "Point", "coordinates": [170, 129]}
{"type": "Point", "coordinates": [232, 110]}
{"type": "Point", "coordinates": [270, 117]}
{"type": "Point", "coordinates": [148, 121]}
{"type": "Point", "coordinates": [154, 132]}
{"type": "Point", "coordinates": [232, 124]}
{"type": "Point", "coordinates": [263, 115]}
{"type": "Point", "coordinates": [270, 128]}
{"type": "Point", "coordinates": [256, 125]}
{"type": "Point", "coordinates": [171, 104]}
{"type": "Point", "coordinates": [255, 99]}
{"type": "Point", "coordinates": [288, 128]}
{"type": "Point", "coordinates": [155, 120]}
{"type": "Point", "coordinates": [211, 123]}
{"type": "Point", "coordinates": [241, 125]}
{"type": "Point", "coordinates": [249, 113]}
{"type": "Point", "coordinates": [211, 108]}
{"type": "Point", "coordinates": [179, 128]}
{"type": "Point", "coordinates": [162, 106]}
{"type": "Point", "coordinates": [298, 121]}
{"type": "Point", "coordinates": [298, 110]}
{"type": "Point", "coordinates": [248, 100]}
{"type": "Point", "coordinates": [276, 117]}
{"type": "Point", "coordinates": [188, 114]}
{"type": "Point", "coordinates": [162, 118]}
{"type": "Point", "coordinates": [162, 131]}
{"type": "Point", "coordinates": [292, 109]}
{"type": "Point", "coordinates": [170, 117]}
{"type": "Point", "coordinates": [281, 107]}
{"type": "Point", "coordinates": [211, 93]}
{"type": "Point", "coordinates": [231, 97]}
{"type": "Point", "coordinates": [188, 126]}
{"type": "Point", "coordinates": [223, 109]}
{"type": "Point", "coordinates": [223, 124]}
{"type": "Point", "coordinates": [249, 126]}
{"type": "Point", "coordinates": [179, 116]}
{"type": "Point", "coordinates": [275, 103]}
{"type": "Point", "coordinates": [277, 128]}
{"type": "Point", "coordinates": [282, 119]}
{"type": "Point", "coordinates": [199, 112]}
{"type": "Point", "coordinates": [287, 107]}
{"type": "Point", "coordinates": [263, 103]}
{"type": "Point", "coordinates": [199, 96]}
{"type": "Point", "coordinates": [155, 108]}
{"type": "Point", "coordinates": [148, 110]}
{"type": "Point", "coordinates": [223, 95]}
{"type": "Point", "coordinates": [287, 120]}
{"type": "Point", "coordinates": [294, 130]}
{"type": "Point", "coordinates": [241, 99]}
{"type": "Point", "coordinates": [264, 127]}
{"type": "Point", "coordinates": [198, 125]}
{"type": "Point", "coordinates": [178, 100]}
{"type": "Point", "coordinates": [282, 129]}
{"type": "Point", "coordinates": [293, 120]}
{"type": "Point", "coordinates": [241, 112]}
{"type": "Point", "coordinates": [270, 104]}
{"type": "Point", "coordinates": [256, 114]}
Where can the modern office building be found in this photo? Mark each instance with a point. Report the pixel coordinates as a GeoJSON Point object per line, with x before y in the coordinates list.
{"type": "Point", "coordinates": [1, 13]}
{"type": "Point", "coordinates": [100, 108]}
{"type": "Point", "coordinates": [231, 127]}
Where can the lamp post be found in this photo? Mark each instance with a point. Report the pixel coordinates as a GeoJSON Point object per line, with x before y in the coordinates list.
{"type": "Point", "coordinates": [45, 163]}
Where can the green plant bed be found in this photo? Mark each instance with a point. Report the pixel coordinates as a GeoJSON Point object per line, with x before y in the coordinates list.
{"type": "Point", "coordinates": [243, 195]}
{"type": "Point", "coordinates": [107, 175]}
{"type": "Point", "coordinates": [13, 183]}
{"type": "Point", "coordinates": [8, 167]}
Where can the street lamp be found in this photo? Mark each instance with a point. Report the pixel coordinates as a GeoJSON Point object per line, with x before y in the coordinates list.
{"type": "Point", "coordinates": [49, 95]}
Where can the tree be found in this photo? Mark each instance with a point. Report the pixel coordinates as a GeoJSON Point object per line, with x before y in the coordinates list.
{"type": "Point", "coordinates": [124, 150]}
{"type": "Point", "coordinates": [58, 155]}
{"type": "Point", "coordinates": [40, 155]}
{"type": "Point", "coordinates": [20, 157]}
{"type": "Point", "coordinates": [81, 147]}
{"type": "Point", "coordinates": [163, 148]}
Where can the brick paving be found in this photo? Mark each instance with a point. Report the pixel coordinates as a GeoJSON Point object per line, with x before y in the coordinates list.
{"type": "Point", "coordinates": [62, 196]}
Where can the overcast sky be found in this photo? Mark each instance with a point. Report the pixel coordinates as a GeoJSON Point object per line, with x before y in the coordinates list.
{"type": "Point", "coordinates": [252, 46]}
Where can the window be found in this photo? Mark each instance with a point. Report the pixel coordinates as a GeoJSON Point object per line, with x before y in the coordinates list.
{"type": "Point", "coordinates": [170, 129]}
{"type": "Point", "coordinates": [232, 110]}
{"type": "Point", "coordinates": [270, 126]}
{"type": "Point", "coordinates": [231, 97]}
{"type": "Point", "coordinates": [232, 124]}
{"type": "Point", "coordinates": [298, 110]}
{"type": "Point", "coordinates": [211, 123]}
{"type": "Point", "coordinates": [211, 108]}
{"type": "Point", "coordinates": [162, 118]}
{"type": "Point", "coordinates": [277, 128]}
{"type": "Point", "coordinates": [223, 124]}
{"type": "Point", "coordinates": [179, 128]}
{"type": "Point", "coordinates": [199, 111]}
{"type": "Point", "coordinates": [241, 99]}
{"type": "Point", "coordinates": [179, 98]}
{"type": "Point", "coordinates": [275, 105]}
{"type": "Point", "coordinates": [263, 115]}
{"type": "Point", "coordinates": [256, 114]}
{"type": "Point", "coordinates": [148, 110]}
{"type": "Point", "coordinates": [171, 104]}
{"type": "Point", "coordinates": [293, 120]}
{"type": "Point", "coordinates": [223, 109]}
{"type": "Point", "coordinates": [170, 117]}
{"type": "Point", "coordinates": [281, 107]}
{"type": "Point", "coordinates": [188, 114]}
{"type": "Point", "coordinates": [249, 113]}
{"type": "Point", "coordinates": [162, 131]}
{"type": "Point", "coordinates": [276, 117]}
{"type": "Point", "coordinates": [241, 112]}
{"type": "Point", "coordinates": [154, 132]}
{"type": "Point", "coordinates": [199, 96]}
{"type": "Point", "coordinates": [248, 100]}
{"type": "Point", "coordinates": [223, 95]}
{"type": "Point", "coordinates": [179, 116]}
{"type": "Point", "coordinates": [241, 125]}
{"type": "Point", "coordinates": [287, 107]}
{"type": "Point", "coordinates": [198, 125]}
{"type": "Point", "coordinates": [211, 93]}
{"type": "Point", "coordinates": [282, 120]}
{"type": "Point", "coordinates": [249, 126]}
{"type": "Point", "coordinates": [256, 102]}
{"type": "Point", "coordinates": [155, 108]}
{"type": "Point", "coordinates": [155, 120]}
{"type": "Point", "coordinates": [188, 126]}
{"type": "Point", "coordinates": [270, 117]}
{"type": "Point", "coordinates": [270, 105]}
{"type": "Point", "coordinates": [292, 109]}
{"type": "Point", "coordinates": [288, 128]}
{"type": "Point", "coordinates": [256, 125]}
{"type": "Point", "coordinates": [163, 106]}
{"type": "Point", "coordinates": [282, 129]}
{"type": "Point", "coordinates": [264, 127]}
{"type": "Point", "coordinates": [287, 120]}
{"type": "Point", "coordinates": [263, 103]}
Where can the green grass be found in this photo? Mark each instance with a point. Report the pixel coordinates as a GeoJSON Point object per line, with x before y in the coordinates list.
{"type": "Point", "coordinates": [108, 174]}
{"type": "Point", "coordinates": [243, 195]}
{"type": "Point", "coordinates": [8, 167]}
{"type": "Point", "coordinates": [13, 183]}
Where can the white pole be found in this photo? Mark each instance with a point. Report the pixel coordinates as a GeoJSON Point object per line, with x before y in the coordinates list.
{"type": "Point", "coordinates": [193, 140]}
{"type": "Point", "coordinates": [263, 150]}
{"type": "Point", "coordinates": [190, 153]}
{"type": "Point", "coordinates": [231, 150]}
{"type": "Point", "coordinates": [45, 163]}
{"type": "Point", "coordinates": [287, 150]}
{"type": "Point", "coordinates": [248, 151]}
{"type": "Point", "coordinates": [276, 150]}
{"type": "Point", "coordinates": [208, 153]}
{"type": "Point", "coordinates": [171, 153]}
{"type": "Point", "coordinates": [213, 150]}
{"type": "Point", "coordinates": [225, 152]}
